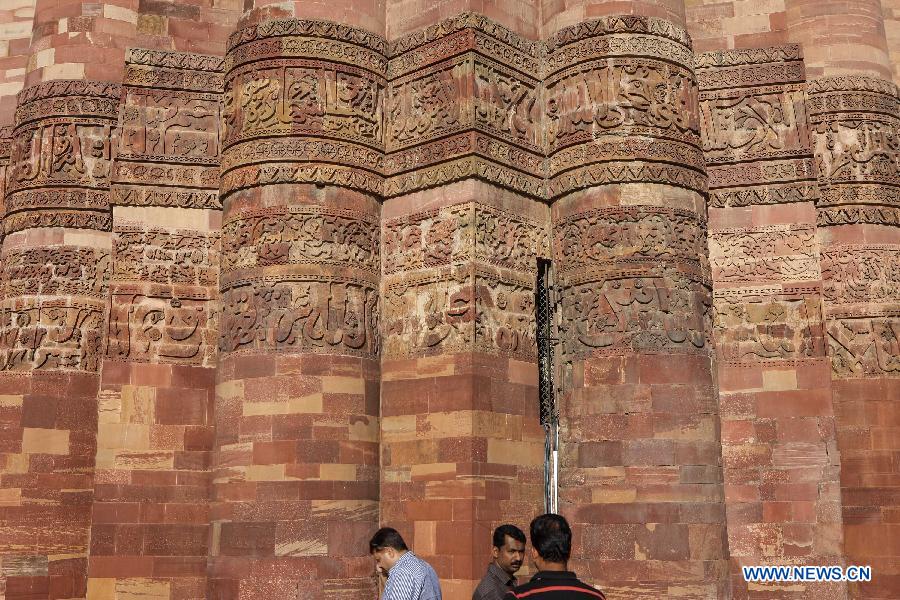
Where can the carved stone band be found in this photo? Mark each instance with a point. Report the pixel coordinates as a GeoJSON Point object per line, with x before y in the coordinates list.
{"type": "Point", "coordinates": [62, 151]}
{"type": "Point", "coordinates": [856, 139]}
{"type": "Point", "coordinates": [310, 101]}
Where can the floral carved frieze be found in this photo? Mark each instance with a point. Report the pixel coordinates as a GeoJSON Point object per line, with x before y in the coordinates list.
{"type": "Point", "coordinates": [429, 239]}
{"type": "Point", "coordinates": [68, 97]}
{"type": "Point", "coordinates": [507, 240]}
{"type": "Point", "coordinates": [165, 257]}
{"type": "Point", "coordinates": [783, 253]}
{"type": "Point", "coordinates": [55, 271]}
{"type": "Point", "coordinates": [629, 234]}
{"type": "Point", "coordinates": [861, 274]}
{"type": "Point", "coordinates": [298, 236]}
{"type": "Point", "coordinates": [460, 278]}
{"type": "Point", "coordinates": [461, 233]}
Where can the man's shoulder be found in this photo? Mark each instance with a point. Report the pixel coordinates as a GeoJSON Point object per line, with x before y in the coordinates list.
{"type": "Point", "coordinates": [412, 563]}
{"type": "Point", "coordinates": [572, 587]}
{"type": "Point", "coordinates": [423, 566]}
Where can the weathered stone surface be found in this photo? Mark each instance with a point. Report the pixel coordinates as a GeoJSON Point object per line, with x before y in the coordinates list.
{"type": "Point", "coordinates": [268, 271]}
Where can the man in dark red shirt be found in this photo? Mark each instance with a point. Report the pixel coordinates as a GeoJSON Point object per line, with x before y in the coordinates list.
{"type": "Point", "coordinates": [551, 545]}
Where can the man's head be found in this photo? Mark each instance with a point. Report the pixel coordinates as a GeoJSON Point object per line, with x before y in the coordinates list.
{"type": "Point", "coordinates": [386, 547]}
{"type": "Point", "coordinates": [509, 548]}
{"type": "Point", "coordinates": [551, 541]}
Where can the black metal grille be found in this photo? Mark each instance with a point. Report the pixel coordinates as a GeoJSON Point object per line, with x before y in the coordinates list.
{"type": "Point", "coordinates": [545, 342]}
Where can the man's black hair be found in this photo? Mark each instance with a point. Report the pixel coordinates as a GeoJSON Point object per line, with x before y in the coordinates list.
{"type": "Point", "coordinates": [507, 530]}
{"type": "Point", "coordinates": [387, 537]}
{"type": "Point", "coordinates": [551, 536]}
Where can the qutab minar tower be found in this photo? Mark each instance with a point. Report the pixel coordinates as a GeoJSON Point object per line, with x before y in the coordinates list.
{"type": "Point", "coordinates": [275, 274]}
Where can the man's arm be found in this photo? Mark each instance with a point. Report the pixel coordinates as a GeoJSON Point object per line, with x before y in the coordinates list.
{"type": "Point", "coordinates": [390, 589]}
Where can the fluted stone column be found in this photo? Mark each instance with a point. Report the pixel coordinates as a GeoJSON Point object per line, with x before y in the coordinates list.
{"type": "Point", "coordinates": [778, 436]}
{"type": "Point", "coordinates": [52, 330]}
{"type": "Point", "coordinates": [853, 113]}
{"type": "Point", "coordinates": [463, 225]}
{"type": "Point", "coordinates": [295, 469]}
{"type": "Point", "coordinates": [641, 458]}
{"type": "Point", "coordinates": [56, 253]}
{"type": "Point", "coordinates": [856, 128]}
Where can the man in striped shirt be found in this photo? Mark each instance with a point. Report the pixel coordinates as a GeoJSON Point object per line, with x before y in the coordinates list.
{"type": "Point", "coordinates": [408, 576]}
{"type": "Point", "coordinates": [551, 545]}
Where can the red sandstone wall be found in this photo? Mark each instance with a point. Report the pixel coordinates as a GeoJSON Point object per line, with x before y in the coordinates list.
{"type": "Point", "coordinates": [853, 220]}
{"type": "Point", "coordinates": [559, 14]}
{"type": "Point", "coordinates": [407, 16]}
{"type": "Point", "coordinates": [368, 15]}
{"type": "Point", "coordinates": [201, 26]}
{"type": "Point", "coordinates": [16, 23]}
{"type": "Point", "coordinates": [891, 12]}
{"type": "Point", "coordinates": [717, 25]}
{"type": "Point", "coordinates": [837, 37]}
{"type": "Point", "coordinates": [372, 356]}
{"type": "Point", "coordinates": [778, 440]}
{"type": "Point", "coordinates": [462, 444]}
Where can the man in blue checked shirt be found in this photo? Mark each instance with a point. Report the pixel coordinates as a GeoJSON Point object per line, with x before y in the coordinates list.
{"type": "Point", "coordinates": [408, 576]}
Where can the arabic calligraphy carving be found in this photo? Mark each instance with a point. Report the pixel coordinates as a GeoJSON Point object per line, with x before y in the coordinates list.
{"type": "Point", "coordinates": [51, 334]}
{"type": "Point", "coordinates": [864, 347]}
{"type": "Point", "coordinates": [634, 313]}
{"type": "Point", "coordinates": [313, 315]}
{"type": "Point", "coordinates": [754, 325]}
